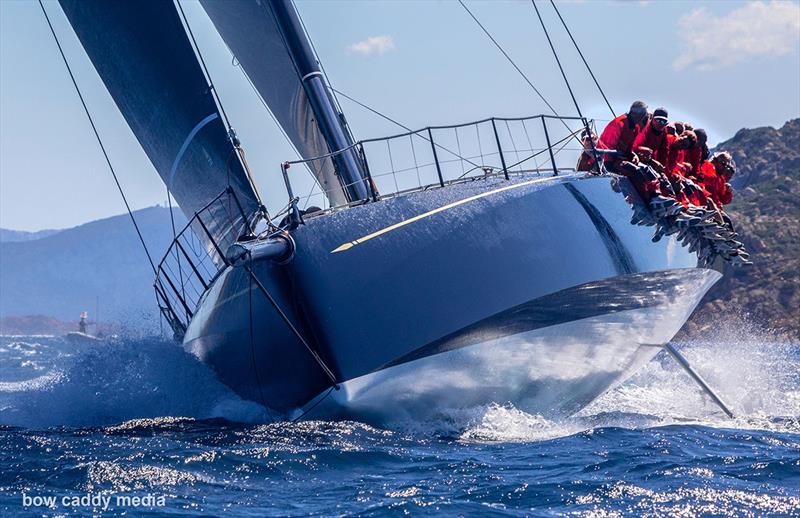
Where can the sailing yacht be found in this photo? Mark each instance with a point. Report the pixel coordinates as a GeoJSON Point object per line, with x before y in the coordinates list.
{"type": "Point", "coordinates": [482, 279]}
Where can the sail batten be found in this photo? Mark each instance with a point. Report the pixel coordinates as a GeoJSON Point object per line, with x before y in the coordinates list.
{"type": "Point", "coordinates": [146, 62]}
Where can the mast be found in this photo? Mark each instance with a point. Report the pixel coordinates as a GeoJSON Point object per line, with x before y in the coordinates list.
{"type": "Point", "coordinates": [329, 119]}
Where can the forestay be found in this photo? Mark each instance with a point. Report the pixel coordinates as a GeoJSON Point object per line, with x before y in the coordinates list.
{"type": "Point", "coordinates": [251, 32]}
{"type": "Point", "coordinates": [143, 55]}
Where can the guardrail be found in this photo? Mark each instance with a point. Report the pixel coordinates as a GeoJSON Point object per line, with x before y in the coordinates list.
{"type": "Point", "coordinates": [435, 156]}
{"type": "Point", "coordinates": [191, 264]}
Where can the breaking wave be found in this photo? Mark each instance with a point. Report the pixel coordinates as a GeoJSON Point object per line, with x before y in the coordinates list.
{"type": "Point", "coordinates": [48, 381]}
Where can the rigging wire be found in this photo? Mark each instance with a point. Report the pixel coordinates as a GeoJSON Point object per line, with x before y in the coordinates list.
{"type": "Point", "coordinates": [203, 64]}
{"type": "Point", "coordinates": [583, 58]}
{"type": "Point", "coordinates": [99, 140]}
{"type": "Point", "coordinates": [558, 61]}
{"type": "Point", "coordinates": [564, 75]}
{"type": "Point", "coordinates": [376, 112]}
{"type": "Point", "coordinates": [234, 140]}
{"type": "Point", "coordinates": [516, 67]}
{"type": "Point", "coordinates": [503, 51]}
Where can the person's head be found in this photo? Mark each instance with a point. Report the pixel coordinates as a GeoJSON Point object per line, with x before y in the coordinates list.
{"type": "Point", "coordinates": [691, 138]}
{"type": "Point", "coordinates": [638, 113]}
{"type": "Point", "coordinates": [659, 120]}
{"type": "Point", "coordinates": [671, 129]}
{"type": "Point", "coordinates": [679, 127]}
{"type": "Point", "coordinates": [587, 137]}
{"type": "Point", "coordinates": [688, 126]}
{"type": "Point", "coordinates": [724, 164]}
{"type": "Point", "coordinates": [702, 136]}
{"type": "Point", "coordinates": [686, 140]}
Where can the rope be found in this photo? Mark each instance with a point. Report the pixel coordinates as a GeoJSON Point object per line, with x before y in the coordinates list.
{"type": "Point", "coordinates": [583, 58]}
{"type": "Point", "coordinates": [99, 140]}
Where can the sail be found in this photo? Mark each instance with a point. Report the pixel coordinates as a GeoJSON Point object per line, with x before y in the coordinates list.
{"type": "Point", "coordinates": [143, 55]}
{"type": "Point", "coordinates": [251, 31]}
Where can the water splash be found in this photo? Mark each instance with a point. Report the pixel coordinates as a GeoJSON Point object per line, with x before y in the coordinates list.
{"type": "Point", "coordinates": [51, 382]}
{"type": "Point", "coordinates": [758, 378]}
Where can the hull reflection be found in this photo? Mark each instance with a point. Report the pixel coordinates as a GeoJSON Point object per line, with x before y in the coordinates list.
{"type": "Point", "coordinates": [553, 370]}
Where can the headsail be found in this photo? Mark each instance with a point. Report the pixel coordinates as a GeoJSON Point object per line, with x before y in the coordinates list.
{"type": "Point", "coordinates": [251, 30]}
{"type": "Point", "coordinates": [144, 57]}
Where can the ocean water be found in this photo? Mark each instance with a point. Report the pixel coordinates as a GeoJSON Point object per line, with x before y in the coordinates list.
{"type": "Point", "coordinates": [140, 428]}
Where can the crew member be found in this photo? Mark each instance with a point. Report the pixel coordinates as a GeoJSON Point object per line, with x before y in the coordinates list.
{"type": "Point", "coordinates": [697, 153]}
{"type": "Point", "coordinates": [654, 138]}
{"type": "Point", "coordinates": [716, 174]}
{"type": "Point", "coordinates": [586, 161]}
{"type": "Point", "coordinates": [620, 133]}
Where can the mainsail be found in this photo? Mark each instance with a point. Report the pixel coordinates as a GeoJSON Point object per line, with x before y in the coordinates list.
{"type": "Point", "coordinates": [251, 31]}
{"type": "Point", "coordinates": [144, 57]}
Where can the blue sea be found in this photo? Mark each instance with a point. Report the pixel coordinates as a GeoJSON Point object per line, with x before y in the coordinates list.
{"type": "Point", "coordinates": [137, 427]}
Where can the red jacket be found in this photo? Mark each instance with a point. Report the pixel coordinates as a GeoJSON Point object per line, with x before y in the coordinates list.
{"type": "Point", "coordinates": [619, 134]}
{"type": "Point", "coordinates": [674, 157]}
{"type": "Point", "coordinates": [694, 156]}
{"type": "Point", "coordinates": [719, 190]}
{"type": "Point", "coordinates": [655, 140]}
{"type": "Point", "coordinates": [585, 162]}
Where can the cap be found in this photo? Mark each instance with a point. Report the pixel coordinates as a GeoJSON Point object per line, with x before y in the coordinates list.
{"type": "Point", "coordinates": [660, 113]}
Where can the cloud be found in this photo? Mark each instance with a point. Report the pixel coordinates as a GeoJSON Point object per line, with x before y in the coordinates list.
{"type": "Point", "coordinates": [372, 45]}
{"type": "Point", "coordinates": [757, 29]}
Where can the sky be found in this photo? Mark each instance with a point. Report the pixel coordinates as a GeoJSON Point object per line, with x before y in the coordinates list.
{"type": "Point", "coordinates": [723, 65]}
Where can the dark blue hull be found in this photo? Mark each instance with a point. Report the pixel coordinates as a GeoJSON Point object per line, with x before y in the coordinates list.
{"type": "Point", "coordinates": [440, 288]}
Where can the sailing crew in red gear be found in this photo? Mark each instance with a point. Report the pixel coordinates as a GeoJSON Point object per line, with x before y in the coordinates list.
{"type": "Point", "coordinates": [654, 137]}
{"type": "Point", "coordinates": [697, 153]}
{"type": "Point", "coordinates": [674, 130]}
{"type": "Point", "coordinates": [715, 175]}
{"type": "Point", "coordinates": [687, 192]}
{"type": "Point", "coordinates": [620, 133]}
{"type": "Point", "coordinates": [586, 161]}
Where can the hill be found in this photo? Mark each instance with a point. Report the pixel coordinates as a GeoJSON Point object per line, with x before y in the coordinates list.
{"type": "Point", "coordinates": [766, 213]}
{"type": "Point", "coordinates": [62, 274]}
{"type": "Point", "coordinates": [12, 236]}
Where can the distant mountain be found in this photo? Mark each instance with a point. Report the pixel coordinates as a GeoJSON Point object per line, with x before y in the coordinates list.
{"type": "Point", "coordinates": [13, 236]}
{"type": "Point", "coordinates": [766, 213]}
{"type": "Point", "coordinates": [65, 273]}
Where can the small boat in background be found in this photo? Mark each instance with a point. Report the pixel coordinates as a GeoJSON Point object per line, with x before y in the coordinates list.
{"type": "Point", "coordinates": [82, 336]}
